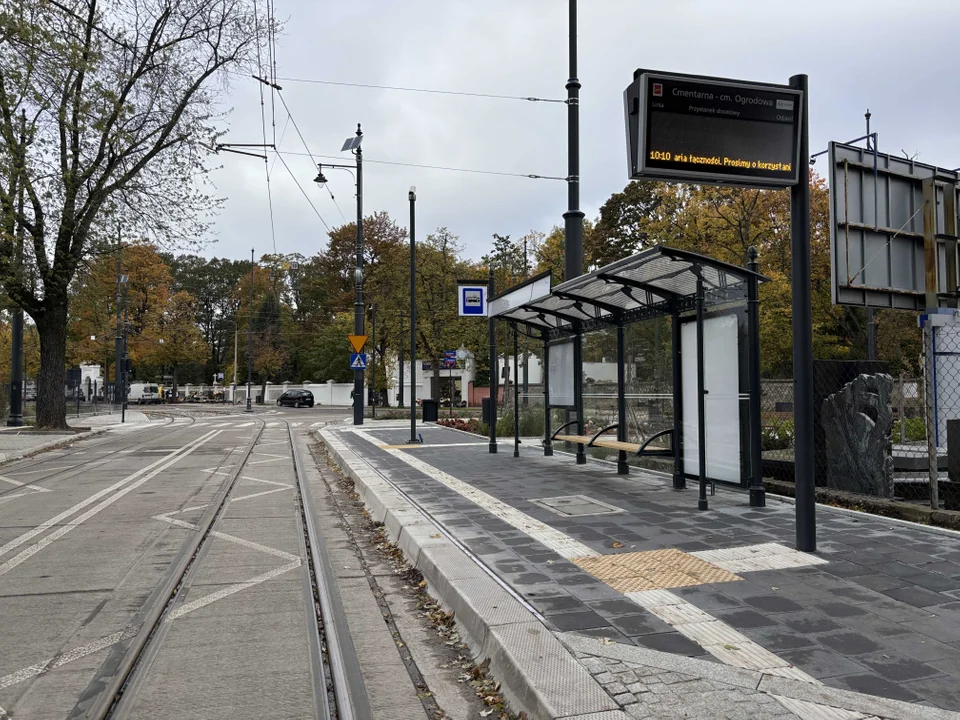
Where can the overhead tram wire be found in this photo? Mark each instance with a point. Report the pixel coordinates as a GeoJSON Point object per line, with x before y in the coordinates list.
{"type": "Point", "coordinates": [489, 96]}
{"type": "Point", "coordinates": [263, 128]}
{"type": "Point", "coordinates": [305, 146]}
{"type": "Point", "coordinates": [530, 176]}
{"type": "Point", "coordinates": [295, 180]}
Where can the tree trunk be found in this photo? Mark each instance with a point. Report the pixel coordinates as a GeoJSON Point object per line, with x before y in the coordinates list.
{"type": "Point", "coordinates": [173, 394]}
{"type": "Point", "coordinates": [52, 378]}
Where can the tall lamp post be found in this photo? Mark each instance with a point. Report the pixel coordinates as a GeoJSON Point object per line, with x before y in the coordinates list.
{"type": "Point", "coordinates": [125, 282]}
{"type": "Point", "coordinates": [352, 144]}
{"type": "Point", "coordinates": [412, 196]}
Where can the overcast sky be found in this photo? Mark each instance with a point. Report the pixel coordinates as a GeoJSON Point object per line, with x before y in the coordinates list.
{"type": "Point", "coordinates": [895, 57]}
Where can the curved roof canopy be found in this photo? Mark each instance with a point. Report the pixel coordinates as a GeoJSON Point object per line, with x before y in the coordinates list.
{"type": "Point", "coordinates": [653, 282]}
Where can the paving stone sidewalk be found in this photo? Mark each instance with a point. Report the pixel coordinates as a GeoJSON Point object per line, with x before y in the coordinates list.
{"type": "Point", "coordinates": [879, 615]}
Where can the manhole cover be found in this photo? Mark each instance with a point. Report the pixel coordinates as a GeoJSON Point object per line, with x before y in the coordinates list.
{"type": "Point", "coordinates": [575, 505]}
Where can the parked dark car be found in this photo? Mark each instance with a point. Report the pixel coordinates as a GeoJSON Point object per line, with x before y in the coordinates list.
{"type": "Point", "coordinates": [296, 398]}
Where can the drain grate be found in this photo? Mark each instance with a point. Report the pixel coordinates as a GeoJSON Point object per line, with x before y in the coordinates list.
{"type": "Point", "coordinates": [576, 505]}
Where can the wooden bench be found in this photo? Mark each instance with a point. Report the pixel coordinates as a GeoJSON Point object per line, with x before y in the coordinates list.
{"type": "Point", "coordinates": [641, 450]}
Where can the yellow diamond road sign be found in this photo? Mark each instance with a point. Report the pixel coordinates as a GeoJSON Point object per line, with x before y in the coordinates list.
{"type": "Point", "coordinates": [357, 341]}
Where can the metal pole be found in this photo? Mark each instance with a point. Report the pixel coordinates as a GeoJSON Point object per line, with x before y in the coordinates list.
{"type": "Point", "coordinates": [250, 340]}
{"type": "Point", "coordinates": [701, 399]}
{"type": "Point", "coordinates": [679, 474]}
{"type": "Point", "coordinates": [126, 354]}
{"type": "Point", "coordinates": [573, 218]}
{"type": "Point", "coordinates": [358, 280]}
{"type": "Point", "coordinates": [412, 196]}
{"type": "Point", "coordinates": [236, 337]}
{"type": "Point", "coordinates": [491, 288]}
{"type": "Point", "coordinates": [545, 370]}
{"type": "Point", "coordinates": [757, 493]}
{"type": "Point", "coordinates": [400, 394]}
{"type": "Point", "coordinates": [373, 355]}
{"type": "Point", "coordinates": [516, 395]}
{"type": "Point", "coordinates": [805, 488]}
{"type": "Point", "coordinates": [622, 468]}
{"type": "Point", "coordinates": [451, 390]}
{"type": "Point", "coordinates": [118, 339]}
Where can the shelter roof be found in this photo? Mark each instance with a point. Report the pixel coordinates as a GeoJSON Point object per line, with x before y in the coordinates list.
{"type": "Point", "coordinates": [648, 283]}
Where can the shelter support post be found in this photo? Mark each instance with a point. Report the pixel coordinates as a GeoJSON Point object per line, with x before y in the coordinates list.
{"type": "Point", "coordinates": [516, 395]}
{"type": "Point", "coordinates": [701, 401]}
{"type": "Point", "coordinates": [622, 468]}
{"type": "Point", "coordinates": [679, 478]}
{"type": "Point", "coordinates": [757, 493]}
{"type": "Point", "coordinates": [578, 391]}
{"type": "Point", "coordinates": [805, 488]}
{"type": "Point", "coordinates": [494, 369]}
{"type": "Point", "coordinates": [547, 441]}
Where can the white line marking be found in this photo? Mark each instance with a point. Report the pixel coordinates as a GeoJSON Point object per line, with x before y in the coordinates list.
{"type": "Point", "coordinates": [230, 590]}
{"type": "Point", "coordinates": [224, 536]}
{"type": "Point", "coordinates": [274, 424]}
{"type": "Point", "coordinates": [557, 541]}
{"type": "Point", "coordinates": [246, 424]}
{"type": "Point", "coordinates": [269, 482]}
{"type": "Point", "coordinates": [263, 462]}
{"type": "Point", "coordinates": [273, 455]}
{"type": "Point", "coordinates": [318, 423]}
{"type": "Point", "coordinates": [161, 464]}
{"type": "Point", "coordinates": [715, 636]}
{"type": "Point", "coordinates": [46, 469]}
{"type": "Point", "coordinates": [766, 556]}
{"type": "Point", "coordinates": [58, 660]}
{"type": "Point", "coordinates": [296, 424]}
{"type": "Point", "coordinates": [259, 494]}
{"type": "Point", "coordinates": [34, 488]}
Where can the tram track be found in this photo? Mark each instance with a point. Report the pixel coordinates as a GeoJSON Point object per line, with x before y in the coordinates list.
{"type": "Point", "coordinates": [337, 684]}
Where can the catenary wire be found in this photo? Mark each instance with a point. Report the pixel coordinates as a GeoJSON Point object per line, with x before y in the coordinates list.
{"type": "Point", "coordinates": [531, 176]}
{"type": "Point", "coordinates": [491, 96]}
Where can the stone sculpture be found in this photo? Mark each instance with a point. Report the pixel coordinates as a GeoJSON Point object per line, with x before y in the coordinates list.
{"type": "Point", "coordinates": [857, 421]}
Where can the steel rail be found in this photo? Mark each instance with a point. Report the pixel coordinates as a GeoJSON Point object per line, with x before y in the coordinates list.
{"type": "Point", "coordinates": [349, 692]}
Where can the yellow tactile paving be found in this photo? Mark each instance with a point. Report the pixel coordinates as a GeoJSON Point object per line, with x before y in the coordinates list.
{"type": "Point", "coordinates": [653, 570]}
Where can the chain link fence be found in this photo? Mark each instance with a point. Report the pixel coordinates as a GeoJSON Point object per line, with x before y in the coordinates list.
{"type": "Point", "coordinates": [870, 430]}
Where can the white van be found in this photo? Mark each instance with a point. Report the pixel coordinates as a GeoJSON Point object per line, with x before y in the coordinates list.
{"type": "Point", "coordinates": [144, 393]}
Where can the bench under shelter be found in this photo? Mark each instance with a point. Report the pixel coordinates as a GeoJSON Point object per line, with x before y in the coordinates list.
{"type": "Point", "coordinates": [715, 351]}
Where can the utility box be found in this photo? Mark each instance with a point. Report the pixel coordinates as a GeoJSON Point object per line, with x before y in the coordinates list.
{"type": "Point", "coordinates": [431, 410]}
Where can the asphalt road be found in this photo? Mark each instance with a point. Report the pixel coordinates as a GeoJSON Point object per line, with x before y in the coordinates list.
{"type": "Point", "coordinates": [88, 535]}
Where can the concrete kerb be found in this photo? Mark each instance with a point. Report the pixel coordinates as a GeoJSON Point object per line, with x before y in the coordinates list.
{"type": "Point", "coordinates": [869, 705]}
{"type": "Point", "coordinates": [538, 674]}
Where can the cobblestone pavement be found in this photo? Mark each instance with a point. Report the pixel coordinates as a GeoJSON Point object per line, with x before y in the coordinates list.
{"type": "Point", "coordinates": [646, 692]}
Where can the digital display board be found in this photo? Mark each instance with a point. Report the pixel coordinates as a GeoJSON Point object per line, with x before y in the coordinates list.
{"type": "Point", "coordinates": [710, 130]}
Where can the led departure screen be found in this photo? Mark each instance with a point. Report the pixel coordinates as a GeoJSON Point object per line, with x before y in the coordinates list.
{"type": "Point", "coordinates": [711, 131]}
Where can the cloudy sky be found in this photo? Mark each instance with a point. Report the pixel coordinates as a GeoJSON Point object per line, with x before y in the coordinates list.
{"type": "Point", "coordinates": [893, 57]}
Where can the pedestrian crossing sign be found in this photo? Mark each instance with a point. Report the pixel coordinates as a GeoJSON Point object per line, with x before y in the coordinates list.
{"type": "Point", "coordinates": [358, 361]}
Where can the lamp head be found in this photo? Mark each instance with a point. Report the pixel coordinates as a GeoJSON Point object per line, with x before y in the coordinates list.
{"type": "Point", "coordinates": [320, 179]}
{"type": "Point", "coordinates": [412, 195]}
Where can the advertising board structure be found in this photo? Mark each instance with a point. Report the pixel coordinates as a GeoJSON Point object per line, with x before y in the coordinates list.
{"type": "Point", "coordinates": [697, 129]}
{"type": "Point", "coordinates": [879, 230]}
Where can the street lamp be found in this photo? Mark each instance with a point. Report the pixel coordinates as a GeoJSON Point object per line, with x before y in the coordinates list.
{"type": "Point", "coordinates": [412, 197]}
{"type": "Point", "coordinates": [352, 144]}
{"type": "Point", "coordinates": [250, 340]}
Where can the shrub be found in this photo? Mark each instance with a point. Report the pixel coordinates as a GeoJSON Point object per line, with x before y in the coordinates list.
{"type": "Point", "coordinates": [778, 437]}
{"type": "Point", "coordinates": [915, 429]}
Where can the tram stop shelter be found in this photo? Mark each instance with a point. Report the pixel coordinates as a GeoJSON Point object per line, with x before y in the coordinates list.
{"type": "Point", "coordinates": [715, 351]}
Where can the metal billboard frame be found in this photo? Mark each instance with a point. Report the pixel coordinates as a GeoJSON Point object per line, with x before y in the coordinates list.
{"type": "Point", "coordinates": [879, 230]}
